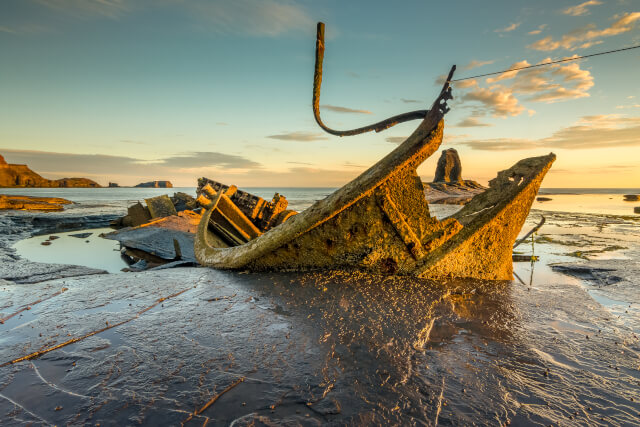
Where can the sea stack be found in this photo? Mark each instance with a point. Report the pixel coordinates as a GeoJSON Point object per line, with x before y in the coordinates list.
{"type": "Point", "coordinates": [448, 187]}
{"type": "Point", "coordinates": [449, 167]}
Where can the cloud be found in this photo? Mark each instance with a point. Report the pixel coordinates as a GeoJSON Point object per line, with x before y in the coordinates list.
{"type": "Point", "coordinates": [250, 17]}
{"type": "Point", "coordinates": [475, 64]}
{"type": "Point", "coordinates": [509, 74]}
{"type": "Point", "coordinates": [300, 163]}
{"type": "Point", "coordinates": [508, 28]}
{"type": "Point", "coordinates": [208, 159]}
{"type": "Point", "coordinates": [338, 109]}
{"type": "Point", "coordinates": [112, 9]}
{"type": "Point", "coordinates": [465, 84]}
{"type": "Point", "coordinates": [539, 30]}
{"type": "Point", "coordinates": [554, 83]}
{"type": "Point", "coordinates": [396, 139]}
{"type": "Point", "coordinates": [353, 165]}
{"type": "Point", "coordinates": [104, 168]}
{"type": "Point", "coordinates": [131, 171]}
{"type": "Point", "coordinates": [498, 100]}
{"type": "Point", "coordinates": [599, 131]}
{"type": "Point", "coordinates": [299, 136]}
{"type": "Point", "coordinates": [584, 37]}
{"type": "Point", "coordinates": [581, 9]}
{"type": "Point", "coordinates": [472, 122]}
{"type": "Point", "coordinates": [410, 101]}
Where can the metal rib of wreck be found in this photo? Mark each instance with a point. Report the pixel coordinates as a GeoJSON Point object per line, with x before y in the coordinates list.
{"type": "Point", "coordinates": [380, 221]}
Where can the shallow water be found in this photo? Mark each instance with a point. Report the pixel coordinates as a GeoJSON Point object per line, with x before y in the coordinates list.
{"type": "Point", "coordinates": [602, 204]}
{"type": "Point", "coordinates": [92, 251]}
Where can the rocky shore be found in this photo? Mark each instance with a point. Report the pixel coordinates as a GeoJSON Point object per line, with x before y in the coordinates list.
{"type": "Point", "coordinates": [192, 345]}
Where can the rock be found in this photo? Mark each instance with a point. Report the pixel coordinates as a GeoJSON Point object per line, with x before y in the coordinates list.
{"type": "Point", "coordinates": [636, 209]}
{"type": "Point", "coordinates": [28, 203]}
{"type": "Point", "coordinates": [155, 184]}
{"type": "Point", "coordinates": [448, 187]}
{"type": "Point", "coordinates": [156, 241]}
{"type": "Point", "coordinates": [113, 185]}
{"type": "Point", "coordinates": [136, 215]}
{"type": "Point", "coordinates": [632, 197]}
{"type": "Point", "coordinates": [161, 206]}
{"type": "Point", "coordinates": [80, 235]}
{"type": "Point", "coordinates": [449, 167]}
{"type": "Point", "coordinates": [183, 201]}
{"type": "Point", "coordinates": [21, 176]}
{"type": "Point", "coordinates": [544, 199]}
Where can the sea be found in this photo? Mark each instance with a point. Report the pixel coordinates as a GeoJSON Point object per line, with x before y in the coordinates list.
{"type": "Point", "coordinates": [558, 345]}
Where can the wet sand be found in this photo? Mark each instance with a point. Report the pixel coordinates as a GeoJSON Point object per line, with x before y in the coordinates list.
{"type": "Point", "coordinates": [197, 345]}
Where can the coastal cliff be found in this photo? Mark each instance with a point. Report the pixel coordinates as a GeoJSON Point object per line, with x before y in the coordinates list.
{"type": "Point", "coordinates": [21, 176]}
{"type": "Point", "coordinates": [156, 184]}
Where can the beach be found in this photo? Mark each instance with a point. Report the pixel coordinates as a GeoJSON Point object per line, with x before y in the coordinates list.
{"type": "Point", "coordinates": [557, 345]}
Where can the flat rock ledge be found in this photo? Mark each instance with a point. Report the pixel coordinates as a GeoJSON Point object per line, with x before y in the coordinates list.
{"type": "Point", "coordinates": [28, 203]}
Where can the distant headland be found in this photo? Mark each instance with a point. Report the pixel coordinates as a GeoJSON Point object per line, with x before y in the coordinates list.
{"type": "Point", "coordinates": [22, 176]}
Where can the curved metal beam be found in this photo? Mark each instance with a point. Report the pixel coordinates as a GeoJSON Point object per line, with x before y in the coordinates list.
{"type": "Point", "coordinates": [379, 126]}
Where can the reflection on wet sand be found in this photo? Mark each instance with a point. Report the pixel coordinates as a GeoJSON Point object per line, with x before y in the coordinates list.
{"type": "Point", "coordinates": [200, 345]}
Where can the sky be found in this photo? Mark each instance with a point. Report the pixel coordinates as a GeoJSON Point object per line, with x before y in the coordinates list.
{"type": "Point", "coordinates": [131, 91]}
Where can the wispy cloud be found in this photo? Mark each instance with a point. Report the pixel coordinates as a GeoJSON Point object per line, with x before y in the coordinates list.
{"type": "Point", "coordinates": [584, 37]}
{"type": "Point", "coordinates": [89, 8]}
{"type": "Point", "coordinates": [185, 167]}
{"type": "Point", "coordinates": [339, 109]}
{"type": "Point", "coordinates": [208, 159]}
{"type": "Point", "coordinates": [471, 122]}
{"type": "Point", "coordinates": [299, 136]}
{"type": "Point", "coordinates": [508, 28]}
{"type": "Point", "coordinates": [396, 139]}
{"type": "Point", "coordinates": [599, 131]}
{"type": "Point", "coordinates": [300, 163]}
{"type": "Point", "coordinates": [475, 64]}
{"type": "Point", "coordinates": [581, 9]}
{"type": "Point", "coordinates": [250, 17]}
{"type": "Point", "coordinates": [538, 30]}
{"type": "Point", "coordinates": [410, 101]}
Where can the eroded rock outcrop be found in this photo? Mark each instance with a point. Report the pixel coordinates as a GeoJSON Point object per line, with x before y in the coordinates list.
{"type": "Point", "coordinates": [12, 175]}
{"type": "Point", "coordinates": [449, 167]}
{"type": "Point", "coordinates": [448, 187]}
{"type": "Point", "coordinates": [155, 184]}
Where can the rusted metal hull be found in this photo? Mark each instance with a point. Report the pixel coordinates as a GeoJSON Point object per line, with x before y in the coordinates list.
{"type": "Point", "coordinates": [380, 222]}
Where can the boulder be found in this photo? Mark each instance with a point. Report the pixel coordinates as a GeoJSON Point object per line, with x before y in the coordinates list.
{"type": "Point", "coordinates": [632, 197]}
{"type": "Point", "coordinates": [183, 201]}
{"type": "Point", "coordinates": [636, 209]}
{"type": "Point", "coordinates": [160, 206]}
{"type": "Point", "coordinates": [136, 215]}
{"type": "Point", "coordinates": [449, 167]}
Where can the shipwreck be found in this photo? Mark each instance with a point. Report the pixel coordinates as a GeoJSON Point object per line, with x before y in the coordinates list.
{"type": "Point", "coordinates": [380, 221]}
